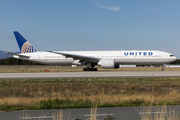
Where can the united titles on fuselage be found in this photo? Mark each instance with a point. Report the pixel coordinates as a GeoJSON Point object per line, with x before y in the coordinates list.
{"type": "Point", "coordinates": [138, 53]}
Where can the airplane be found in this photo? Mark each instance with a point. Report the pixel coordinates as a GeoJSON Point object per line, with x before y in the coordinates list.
{"type": "Point", "coordinates": [104, 59]}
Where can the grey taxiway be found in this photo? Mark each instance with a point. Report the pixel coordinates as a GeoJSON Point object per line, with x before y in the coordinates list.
{"type": "Point", "coordinates": [119, 113]}
{"type": "Point", "coordinates": [99, 74]}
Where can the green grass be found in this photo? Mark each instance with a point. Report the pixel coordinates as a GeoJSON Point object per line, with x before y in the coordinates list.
{"type": "Point", "coordinates": [19, 94]}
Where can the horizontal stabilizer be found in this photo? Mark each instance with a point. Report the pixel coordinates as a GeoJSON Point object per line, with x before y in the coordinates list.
{"type": "Point", "coordinates": [17, 55]}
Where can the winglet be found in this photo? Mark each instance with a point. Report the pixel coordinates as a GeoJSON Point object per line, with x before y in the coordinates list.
{"type": "Point", "coordinates": [24, 45]}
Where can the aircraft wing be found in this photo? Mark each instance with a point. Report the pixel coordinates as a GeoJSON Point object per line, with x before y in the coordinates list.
{"type": "Point", "coordinates": [82, 58]}
{"type": "Point", "coordinates": [17, 55]}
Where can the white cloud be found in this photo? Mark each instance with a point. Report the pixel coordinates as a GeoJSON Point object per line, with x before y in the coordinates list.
{"type": "Point", "coordinates": [115, 9]}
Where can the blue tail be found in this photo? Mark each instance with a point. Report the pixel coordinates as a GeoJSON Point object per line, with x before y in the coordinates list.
{"type": "Point", "coordinates": [24, 45]}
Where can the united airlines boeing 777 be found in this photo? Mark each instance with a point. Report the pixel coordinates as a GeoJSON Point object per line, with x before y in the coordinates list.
{"type": "Point", "coordinates": [104, 59]}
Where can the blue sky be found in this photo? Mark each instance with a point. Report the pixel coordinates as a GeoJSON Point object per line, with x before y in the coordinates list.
{"type": "Point", "coordinates": [92, 24]}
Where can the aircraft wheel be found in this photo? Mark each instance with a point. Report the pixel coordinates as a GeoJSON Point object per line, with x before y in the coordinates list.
{"type": "Point", "coordinates": [84, 69]}
{"type": "Point", "coordinates": [95, 69]}
{"type": "Point", "coordinates": [162, 69]}
{"type": "Point", "coordinates": [90, 69]}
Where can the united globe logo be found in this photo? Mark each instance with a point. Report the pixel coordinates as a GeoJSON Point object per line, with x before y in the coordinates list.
{"type": "Point", "coordinates": [27, 48]}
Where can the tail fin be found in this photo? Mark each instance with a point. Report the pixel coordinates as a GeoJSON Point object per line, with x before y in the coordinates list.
{"type": "Point", "coordinates": [24, 45]}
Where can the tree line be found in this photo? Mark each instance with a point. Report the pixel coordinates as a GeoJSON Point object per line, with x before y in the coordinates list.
{"type": "Point", "coordinates": [14, 61]}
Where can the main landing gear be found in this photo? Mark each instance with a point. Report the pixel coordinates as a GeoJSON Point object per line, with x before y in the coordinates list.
{"type": "Point", "coordinates": [162, 69]}
{"type": "Point", "coordinates": [89, 69]}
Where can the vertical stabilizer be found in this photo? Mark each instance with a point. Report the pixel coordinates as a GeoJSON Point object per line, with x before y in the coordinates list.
{"type": "Point", "coordinates": [24, 45]}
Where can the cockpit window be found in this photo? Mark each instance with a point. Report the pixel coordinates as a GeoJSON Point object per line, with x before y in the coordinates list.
{"type": "Point", "coordinates": [171, 55]}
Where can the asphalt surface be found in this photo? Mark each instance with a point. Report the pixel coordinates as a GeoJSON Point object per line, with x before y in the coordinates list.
{"type": "Point", "coordinates": [119, 113]}
{"type": "Point", "coordinates": [106, 74]}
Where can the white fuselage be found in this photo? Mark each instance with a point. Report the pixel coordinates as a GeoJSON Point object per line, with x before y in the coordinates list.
{"type": "Point", "coordinates": [143, 57]}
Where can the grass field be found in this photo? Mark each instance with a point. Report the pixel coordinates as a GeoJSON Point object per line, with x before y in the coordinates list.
{"type": "Point", "coordinates": [15, 69]}
{"type": "Point", "coordinates": [21, 94]}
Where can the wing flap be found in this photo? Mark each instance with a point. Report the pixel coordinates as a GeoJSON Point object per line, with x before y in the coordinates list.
{"type": "Point", "coordinates": [82, 58]}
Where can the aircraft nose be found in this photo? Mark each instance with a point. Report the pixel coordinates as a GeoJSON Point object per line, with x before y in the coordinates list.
{"type": "Point", "coordinates": [174, 59]}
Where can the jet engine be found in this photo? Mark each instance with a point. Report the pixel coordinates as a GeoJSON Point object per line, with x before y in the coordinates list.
{"type": "Point", "coordinates": [76, 62]}
{"type": "Point", "coordinates": [108, 63]}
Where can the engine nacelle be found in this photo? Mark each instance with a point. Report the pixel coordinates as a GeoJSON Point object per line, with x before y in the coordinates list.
{"type": "Point", "coordinates": [107, 63]}
{"type": "Point", "coordinates": [76, 62]}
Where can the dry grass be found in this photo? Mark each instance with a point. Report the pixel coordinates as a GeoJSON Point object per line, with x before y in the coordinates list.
{"type": "Point", "coordinates": [37, 70]}
{"type": "Point", "coordinates": [25, 102]}
{"type": "Point", "coordinates": [160, 113]}
{"type": "Point", "coordinates": [113, 92]}
{"type": "Point", "coordinates": [61, 116]}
